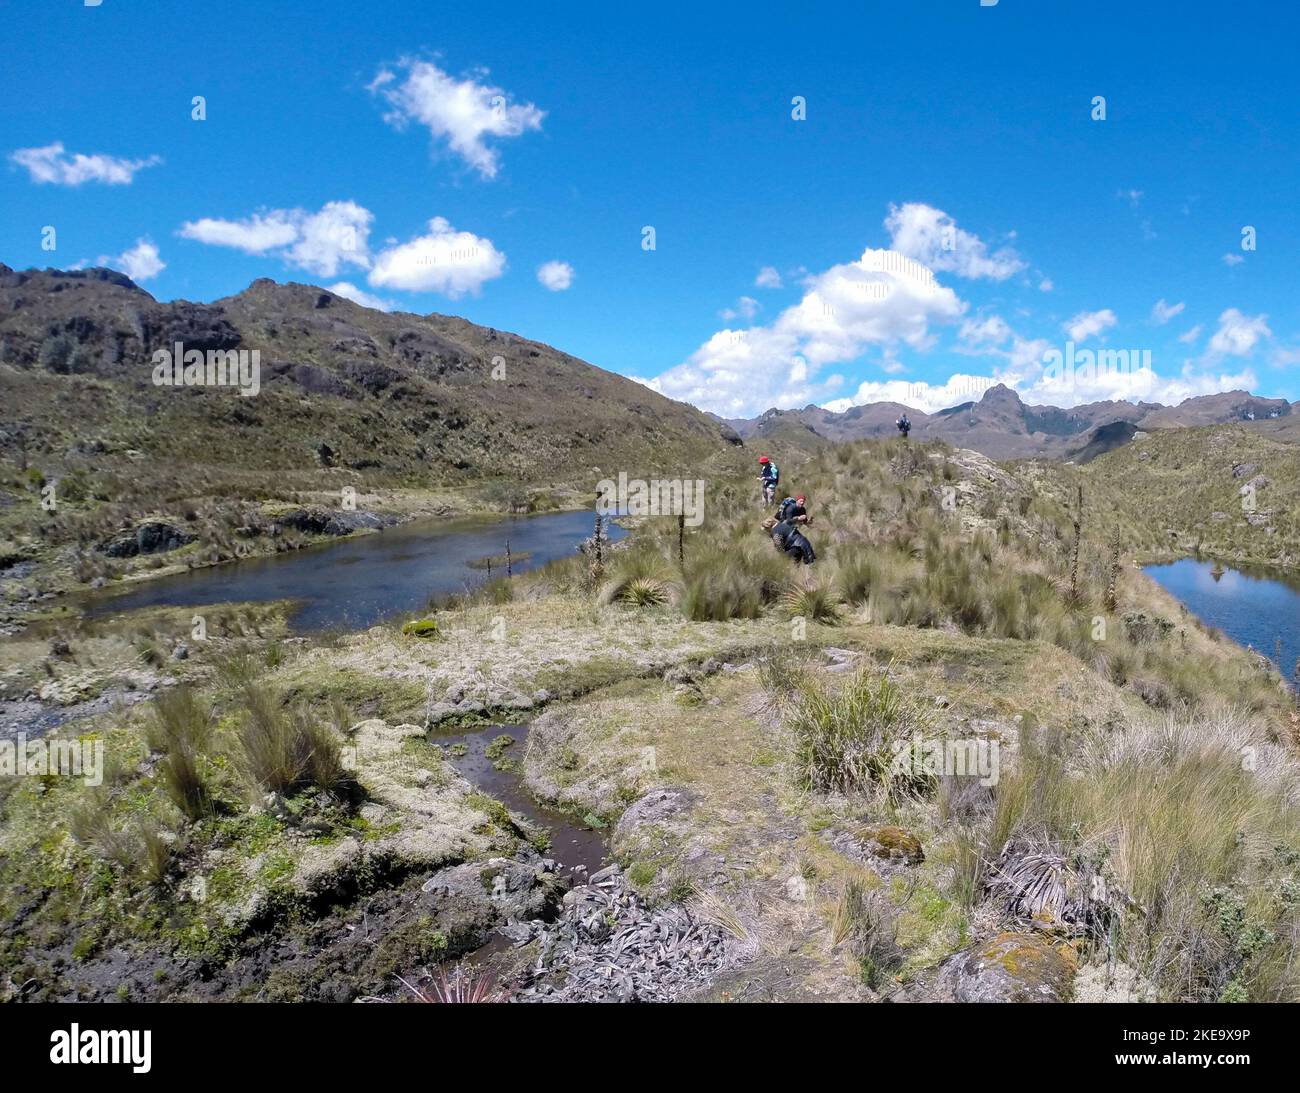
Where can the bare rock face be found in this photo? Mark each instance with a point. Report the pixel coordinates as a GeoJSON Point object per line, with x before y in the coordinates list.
{"type": "Point", "coordinates": [654, 807]}
{"type": "Point", "coordinates": [147, 537]}
{"type": "Point", "coordinates": [1011, 967]}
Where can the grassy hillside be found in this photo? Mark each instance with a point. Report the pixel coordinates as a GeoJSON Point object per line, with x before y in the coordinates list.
{"type": "Point", "coordinates": [749, 734]}
{"type": "Point", "coordinates": [1178, 492]}
{"type": "Point", "coordinates": [414, 413]}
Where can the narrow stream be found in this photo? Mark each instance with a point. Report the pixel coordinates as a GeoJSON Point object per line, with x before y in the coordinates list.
{"type": "Point", "coordinates": [579, 849]}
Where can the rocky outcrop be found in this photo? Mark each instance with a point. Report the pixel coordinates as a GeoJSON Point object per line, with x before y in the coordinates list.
{"type": "Point", "coordinates": [146, 537]}
{"type": "Point", "coordinates": [1011, 967]}
{"type": "Point", "coordinates": [334, 522]}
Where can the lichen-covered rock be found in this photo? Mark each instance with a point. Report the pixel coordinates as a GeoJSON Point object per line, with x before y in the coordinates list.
{"type": "Point", "coordinates": [869, 843]}
{"type": "Point", "coordinates": [1012, 967]}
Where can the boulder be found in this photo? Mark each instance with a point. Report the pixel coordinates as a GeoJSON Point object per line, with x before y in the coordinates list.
{"type": "Point", "coordinates": [871, 843]}
{"type": "Point", "coordinates": [147, 537]}
{"type": "Point", "coordinates": [1011, 967]}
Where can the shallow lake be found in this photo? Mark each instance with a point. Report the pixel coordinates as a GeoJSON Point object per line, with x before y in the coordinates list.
{"type": "Point", "coordinates": [356, 582]}
{"type": "Point", "coordinates": [1254, 606]}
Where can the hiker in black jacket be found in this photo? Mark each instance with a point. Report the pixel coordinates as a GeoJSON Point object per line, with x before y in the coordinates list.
{"type": "Point", "coordinates": [789, 539]}
{"type": "Point", "coordinates": [794, 509]}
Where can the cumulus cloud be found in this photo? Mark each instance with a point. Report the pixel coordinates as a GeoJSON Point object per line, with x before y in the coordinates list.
{"type": "Point", "coordinates": [140, 263]}
{"type": "Point", "coordinates": [1163, 312]}
{"type": "Point", "coordinates": [1189, 336]}
{"type": "Point", "coordinates": [882, 300]}
{"type": "Point", "coordinates": [746, 308]}
{"type": "Point", "coordinates": [768, 277]}
{"type": "Point", "coordinates": [991, 330]}
{"type": "Point", "coordinates": [1088, 324]}
{"type": "Point", "coordinates": [349, 291]}
{"type": "Point", "coordinates": [1045, 285]}
{"type": "Point", "coordinates": [1231, 259]}
{"type": "Point", "coordinates": [1238, 334]}
{"type": "Point", "coordinates": [556, 276]}
{"type": "Point", "coordinates": [443, 260]}
{"type": "Point", "coordinates": [52, 164]}
{"type": "Point", "coordinates": [337, 235]}
{"type": "Point", "coordinates": [931, 236]}
{"type": "Point", "coordinates": [319, 242]}
{"type": "Point", "coordinates": [928, 397]}
{"type": "Point", "coordinates": [463, 113]}
{"type": "Point", "coordinates": [256, 234]}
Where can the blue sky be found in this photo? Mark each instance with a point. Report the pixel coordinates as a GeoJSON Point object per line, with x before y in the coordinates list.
{"type": "Point", "coordinates": [438, 157]}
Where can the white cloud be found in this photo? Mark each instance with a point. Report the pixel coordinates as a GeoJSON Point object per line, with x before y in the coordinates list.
{"type": "Point", "coordinates": [256, 234]}
{"type": "Point", "coordinates": [931, 236]}
{"type": "Point", "coordinates": [318, 242]}
{"type": "Point", "coordinates": [349, 291]}
{"type": "Point", "coordinates": [1045, 285]}
{"type": "Point", "coordinates": [445, 260]}
{"type": "Point", "coordinates": [746, 308]}
{"type": "Point", "coordinates": [768, 277]}
{"type": "Point", "coordinates": [1189, 336]}
{"type": "Point", "coordinates": [1134, 197]}
{"type": "Point", "coordinates": [882, 300]}
{"type": "Point", "coordinates": [52, 164]}
{"type": "Point", "coordinates": [460, 112]}
{"type": "Point", "coordinates": [1238, 334]}
{"type": "Point", "coordinates": [1163, 312]}
{"type": "Point", "coordinates": [1088, 324]}
{"type": "Point", "coordinates": [928, 397]}
{"type": "Point", "coordinates": [336, 235]}
{"type": "Point", "coordinates": [557, 276]}
{"type": "Point", "coordinates": [139, 263]}
{"type": "Point", "coordinates": [1231, 259]}
{"type": "Point", "coordinates": [992, 330]}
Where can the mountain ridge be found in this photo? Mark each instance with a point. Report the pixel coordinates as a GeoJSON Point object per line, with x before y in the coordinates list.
{"type": "Point", "coordinates": [1001, 425]}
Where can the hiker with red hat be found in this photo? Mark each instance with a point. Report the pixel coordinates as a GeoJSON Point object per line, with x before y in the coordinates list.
{"type": "Point", "coordinates": [770, 475]}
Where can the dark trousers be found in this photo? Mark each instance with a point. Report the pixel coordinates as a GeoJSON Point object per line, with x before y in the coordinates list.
{"type": "Point", "coordinates": [798, 548]}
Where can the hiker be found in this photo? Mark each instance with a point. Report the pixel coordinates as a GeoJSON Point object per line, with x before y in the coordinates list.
{"type": "Point", "coordinates": [904, 426]}
{"type": "Point", "coordinates": [794, 510]}
{"type": "Point", "coordinates": [793, 543]}
{"type": "Point", "coordinates": [770, 475]}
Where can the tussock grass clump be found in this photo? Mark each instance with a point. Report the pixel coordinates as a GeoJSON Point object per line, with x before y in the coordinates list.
{"type": "Point", "coordinates": [182, 729]}
{"type": "Point", "coordinates": [1198, 821]}
{"type": "Point", "coordinates": [287, 750]}
{"type": "Point", "coordinates": [811, 603]}
{"type": "Point", "coordinates": [639, 579]}
{"type": "Point", "coordinates": [783, 670]}
{"type": "Point", "coordinates": [858, 739]}
{"type": "Point", "coordinates": [867, 924]}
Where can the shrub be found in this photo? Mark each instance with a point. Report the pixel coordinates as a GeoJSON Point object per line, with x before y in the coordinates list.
{"type": "Point", "coordinates": [181, 729]}
{"type": "Point", "coordinates": [287, 750]}
{"type": "Point", "coordinates": [639, 579]}
{"type": "Point", "coordinates": [812, 604]}
{"type": "Point", "coordinates": [850, 741]}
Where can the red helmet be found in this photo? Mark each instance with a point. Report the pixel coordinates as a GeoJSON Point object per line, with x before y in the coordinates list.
{"type": "Point", "coordinates": [762, 459]}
